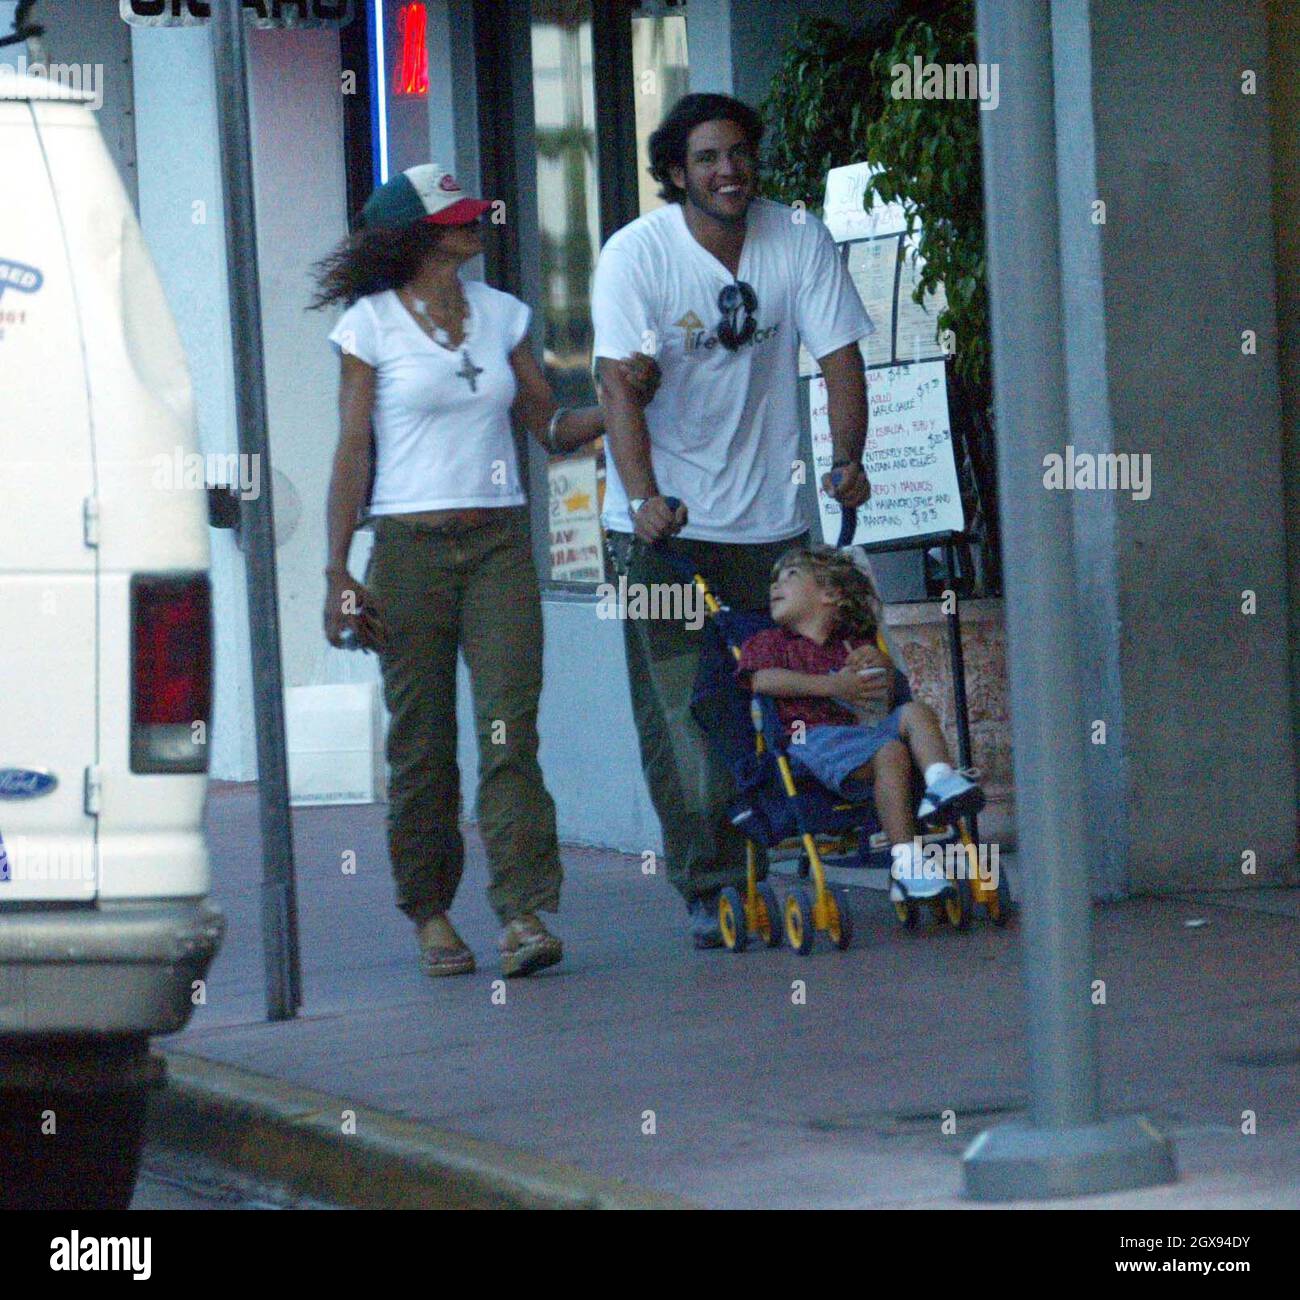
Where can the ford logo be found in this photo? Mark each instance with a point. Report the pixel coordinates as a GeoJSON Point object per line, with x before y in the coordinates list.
{"type": "Point", "coordinates": [23, 783]}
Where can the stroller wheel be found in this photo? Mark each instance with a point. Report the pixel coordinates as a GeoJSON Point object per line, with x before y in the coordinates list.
{"type": "Point", "coordinates": [904, 907]}
{"type": "Point", "coordinates": [771, 929]}
{"type": "Point", "coordinates": [731, 920]}
{"type": "Point", "coordinates": [840, 927]}
{"type": "Point", "coordinates": [958, 905]}
{"type": "Point", "coordinates": [799, 920]}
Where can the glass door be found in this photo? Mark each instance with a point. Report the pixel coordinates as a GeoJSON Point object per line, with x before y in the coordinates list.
{"type": "Point", "coordinates": [603, 76]}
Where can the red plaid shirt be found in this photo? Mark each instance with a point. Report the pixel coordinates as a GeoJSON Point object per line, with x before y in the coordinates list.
{"type": "Point", "coordinates": [778, 648]}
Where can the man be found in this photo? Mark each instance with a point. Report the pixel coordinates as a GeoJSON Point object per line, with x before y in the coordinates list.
{"type": "Point", "coordinates": [718, 286]}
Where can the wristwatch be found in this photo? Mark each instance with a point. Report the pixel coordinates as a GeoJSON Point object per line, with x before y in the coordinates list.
{"type": "Point", "coordinates": [634, 507]}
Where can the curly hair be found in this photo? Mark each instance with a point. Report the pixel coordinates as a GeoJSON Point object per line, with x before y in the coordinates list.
{"type": "Point", "coordinates": [861, 609]}
{"type": "Point", "coordinates": [371, 260]}
{"type": "Point", "coordinates": [667, 145]}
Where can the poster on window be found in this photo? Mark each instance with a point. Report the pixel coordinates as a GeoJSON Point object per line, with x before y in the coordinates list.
{"type": "Point", "coordinates": [908, 458]}
{"type": "Point", "coordinates": [577, 553]}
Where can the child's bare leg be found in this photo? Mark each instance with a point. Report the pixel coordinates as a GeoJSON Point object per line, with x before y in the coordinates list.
{"type": "Point", "coordinates": [891, 775]}
{"type": "Point", "coordinates": [920, 729]}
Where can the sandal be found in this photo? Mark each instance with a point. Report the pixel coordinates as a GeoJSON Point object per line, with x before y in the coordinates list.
{"type": "Point", "coordinates": [442, 950]}
{"type": "Point", "coordinates": [527, 945]}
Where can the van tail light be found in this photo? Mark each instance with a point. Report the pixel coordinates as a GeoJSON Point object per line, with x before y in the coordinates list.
{"type": "Point", "coordinates": [171, 672]}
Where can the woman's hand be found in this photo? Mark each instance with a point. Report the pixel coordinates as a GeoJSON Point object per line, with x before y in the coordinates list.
{"type": "Point", "coordinates": [643, 376]}
{"type": "Point", "coordinates": [349, 607]}
{"type": "Point", "coordinates": [535, 403]}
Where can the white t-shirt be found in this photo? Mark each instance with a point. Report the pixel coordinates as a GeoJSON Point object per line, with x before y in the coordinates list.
{"type": "Point", "coordinates": [442, 417]}
{"type": "Point", "coordinates": [724, 426]}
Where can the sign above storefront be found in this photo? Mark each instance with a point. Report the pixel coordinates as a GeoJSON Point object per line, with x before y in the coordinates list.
{"type": "Point", "coordinates": [257, 13]}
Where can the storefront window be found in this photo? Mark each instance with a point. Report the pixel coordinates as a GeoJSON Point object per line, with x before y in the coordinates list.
{"type": "Point", "coordinates": [569, 177]}
{"type": "Point", "coordinates": [660, 75]}
{"type": "Point", "coordinates": [569, 236]}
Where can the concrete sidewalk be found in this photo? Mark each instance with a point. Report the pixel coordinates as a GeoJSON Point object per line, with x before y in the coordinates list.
{"type": "Point", "coordinates": [756, 1100]}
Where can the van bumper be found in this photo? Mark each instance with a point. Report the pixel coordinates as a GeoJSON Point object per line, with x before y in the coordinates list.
{"type": "Point", "coordinates": [115, 969]}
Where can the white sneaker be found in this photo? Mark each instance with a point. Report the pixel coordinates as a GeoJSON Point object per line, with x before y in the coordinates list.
{"type": "Point", "coordinates": [906, 872]}
{"type": "Point", "coordinates": [954, 795]}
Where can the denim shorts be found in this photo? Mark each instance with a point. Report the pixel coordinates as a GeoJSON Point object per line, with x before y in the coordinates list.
{"type": "Point", "coordinates": [832, 754]}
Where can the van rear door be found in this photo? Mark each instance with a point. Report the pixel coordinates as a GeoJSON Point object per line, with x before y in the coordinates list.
{"type": "Point", "coordinates": [48, 577]}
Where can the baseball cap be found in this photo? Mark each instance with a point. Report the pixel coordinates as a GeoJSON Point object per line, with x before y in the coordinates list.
{"type": "Point", "coordinates": [423, 193]}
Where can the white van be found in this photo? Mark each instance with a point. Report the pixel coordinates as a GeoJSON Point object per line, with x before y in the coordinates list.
{"type": "Point", "coordinates": [105, 666]}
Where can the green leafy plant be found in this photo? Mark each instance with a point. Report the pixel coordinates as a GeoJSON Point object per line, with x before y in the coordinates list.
{"type": "Point", "coordinates": [817, 110]}
{"type": "Point", "coordinates": [928, 153]}
{"type": "Point", "coordinates": [831, 103]}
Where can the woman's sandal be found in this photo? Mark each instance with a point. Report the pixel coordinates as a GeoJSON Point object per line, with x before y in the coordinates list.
{"type": "Point", "coordinates": [442, 951]}
{"type": "Point", "coordinates": [447, 961]}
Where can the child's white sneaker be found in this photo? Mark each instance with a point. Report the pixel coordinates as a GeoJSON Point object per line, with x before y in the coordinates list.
{"type": "Point", "coordinates": [906, 870]}
{"type": "Point", "coordinates": [949, 796]}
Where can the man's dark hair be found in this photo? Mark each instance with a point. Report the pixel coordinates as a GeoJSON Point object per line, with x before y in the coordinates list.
{"type": "Point", "coordinates": [668, 143]}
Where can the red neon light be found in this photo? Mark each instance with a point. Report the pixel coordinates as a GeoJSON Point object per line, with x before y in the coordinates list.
{"type": "Point", "coordinates": [411, 75]}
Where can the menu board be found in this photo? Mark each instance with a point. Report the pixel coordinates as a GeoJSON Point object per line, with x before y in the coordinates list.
{"type": "Point", "coordinates": [908, 457]}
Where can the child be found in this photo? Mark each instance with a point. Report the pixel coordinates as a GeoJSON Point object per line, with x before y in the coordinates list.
{"type": "Point", "coordinates": [833, 689]}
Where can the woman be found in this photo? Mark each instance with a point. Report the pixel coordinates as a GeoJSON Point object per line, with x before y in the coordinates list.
{"type": "Point", "coordinates": [438, 366]}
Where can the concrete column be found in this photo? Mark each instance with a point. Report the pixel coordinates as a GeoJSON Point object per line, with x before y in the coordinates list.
{"type": "Point", "coordinates": [1204, 694]}
{"type": "Point", "coordinates": [1092, 431]}
{"type": "Point", "coordinates": [1284, 100]}
{"type": "Point", "coordinates": [1065, 1148]}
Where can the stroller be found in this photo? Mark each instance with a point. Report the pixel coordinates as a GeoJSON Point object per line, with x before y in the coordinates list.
{"type": "Point", "coordinates": [775, 807]}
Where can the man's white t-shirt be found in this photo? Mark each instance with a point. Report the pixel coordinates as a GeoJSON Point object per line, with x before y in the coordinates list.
{"type": "Point", "coordinates": [724, 426]}
{"type": "Point", "coordinates": [442, 416]}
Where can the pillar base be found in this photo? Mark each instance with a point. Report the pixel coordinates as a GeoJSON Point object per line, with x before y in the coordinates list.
{"type": "Point", "coordinates": [1018, 1162]}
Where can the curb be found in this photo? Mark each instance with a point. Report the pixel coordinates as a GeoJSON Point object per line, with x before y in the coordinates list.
{"type": "Point", "coordinates": [293, 1136]}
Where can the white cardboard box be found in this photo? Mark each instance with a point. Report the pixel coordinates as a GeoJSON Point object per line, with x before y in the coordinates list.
{"type": "Point", "coordinates": [335, 740]}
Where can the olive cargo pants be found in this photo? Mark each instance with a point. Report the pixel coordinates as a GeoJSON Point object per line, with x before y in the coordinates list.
{"type": "Point", "coordinates": [475, 592]}
{"type": "Point", "coordinates": [689, 786]}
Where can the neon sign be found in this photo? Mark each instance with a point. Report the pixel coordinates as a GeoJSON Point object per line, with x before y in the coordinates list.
{"type": "Point", "coordinates": [411, 71]}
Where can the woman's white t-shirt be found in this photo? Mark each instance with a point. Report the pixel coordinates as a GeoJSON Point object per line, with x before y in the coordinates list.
{"type": "Point", "coordinates": [443, 439]}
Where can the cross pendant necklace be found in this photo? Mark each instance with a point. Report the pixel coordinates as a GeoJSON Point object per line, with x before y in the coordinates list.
{"type": "Point", "coordinates": [468, 371]}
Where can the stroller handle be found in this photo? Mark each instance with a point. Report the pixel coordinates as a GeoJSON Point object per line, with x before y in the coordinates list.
{"type": "Point", "coordinates": [672, 557]}
{"type": "Point", "coordinates": [848, 518]}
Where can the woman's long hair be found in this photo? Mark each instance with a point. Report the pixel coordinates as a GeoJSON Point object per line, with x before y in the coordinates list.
{"type": "Point", "coordinates": [370, 261]}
